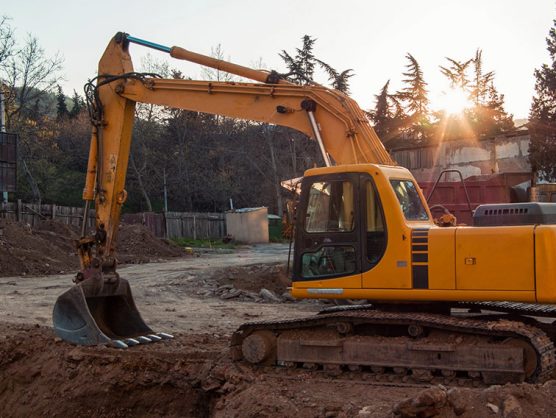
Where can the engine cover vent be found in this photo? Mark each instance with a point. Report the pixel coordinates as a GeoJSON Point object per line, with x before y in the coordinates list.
{"type": "Point", "coordinates": [500, 214]}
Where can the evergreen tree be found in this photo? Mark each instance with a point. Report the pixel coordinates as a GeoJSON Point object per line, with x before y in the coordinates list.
{"type": "Point", "coordinates": [61, 106]}
{"type": "Point", "coordinates": [457, 73]}
{"type": "Point", "coordinates": [302, 66]}
{"type": "Point", "coordinates": [338, 80]}
{"type": "Point", "coordinates": [77, 105]}
{"type": "Point", "coordinates": [388, 115]}
{"type": "Point", "coordinates": [485, 115]}
{"type": "Point", "coordinates": [481, 81]}
{"type": "Point", "coordinates": [495, 118]}
{"type": "Point", "coordinates": [542, 117]}
{"type": "Point", "coordinates": [414, 97]}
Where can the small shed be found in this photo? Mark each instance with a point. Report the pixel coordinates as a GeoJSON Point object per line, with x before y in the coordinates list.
{"type": "Point", "coordinates": [274, 227]}
{"type": "Point", "coordinates": [248, 225]}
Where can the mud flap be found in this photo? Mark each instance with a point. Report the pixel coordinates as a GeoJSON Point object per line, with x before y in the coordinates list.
{"type": "Point", "coordinates": [93, 312]}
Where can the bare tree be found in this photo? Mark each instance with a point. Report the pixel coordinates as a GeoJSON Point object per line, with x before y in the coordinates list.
{"type": "Point", "coordinates": [29, 74]}
{"type": "Point", "coordinates": [7, 41]}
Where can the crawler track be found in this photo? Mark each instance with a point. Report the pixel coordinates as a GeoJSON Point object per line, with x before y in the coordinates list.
{"type": "Point", "coordinates": [404, 347]}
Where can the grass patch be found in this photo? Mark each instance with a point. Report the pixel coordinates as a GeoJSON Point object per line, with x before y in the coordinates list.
{"type": "Point", "coordinates": [203, 243]}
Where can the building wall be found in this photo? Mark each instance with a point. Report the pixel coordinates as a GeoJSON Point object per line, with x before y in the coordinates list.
{"type": "Point", "coordinates": [248, 226]}
{"type": "Point", "coordinates": [501, 154]}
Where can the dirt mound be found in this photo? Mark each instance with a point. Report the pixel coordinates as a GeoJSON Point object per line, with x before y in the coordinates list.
{"type": "Point", "coordinates": [255, 277]}
{"type": "Point", "coordinates": [256, 282]}
{"type": "Point", "coordinates": [59, 228]}
{"type": "Point", "coordinates": [24, 251]}
{"type": "Point", "coordinates": [49, 247]}
{"type": "Point", "coordinates": [136, 244]}
{"type": "Point", "coordinates": [159, 380]}
{"type": "Point", "coordinates": [506, 401]}
{"type": "Point", "coordinates": [193, 376]}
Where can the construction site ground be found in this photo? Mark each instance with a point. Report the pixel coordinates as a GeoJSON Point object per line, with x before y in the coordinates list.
{"type": "Point", "coordinates": [201, 298]}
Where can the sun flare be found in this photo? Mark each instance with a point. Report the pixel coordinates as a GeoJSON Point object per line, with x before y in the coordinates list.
{"type": "Point", "coordinates": [454, 102]}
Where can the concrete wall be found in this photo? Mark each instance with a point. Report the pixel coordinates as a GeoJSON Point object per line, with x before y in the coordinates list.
{"type": "Point", "coordinates": [501, 154]}
{"type": "Point", "coordinates": [248, 225]}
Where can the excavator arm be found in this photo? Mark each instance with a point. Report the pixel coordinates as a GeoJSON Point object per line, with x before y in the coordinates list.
{"type": "Point", "coordinates": [333, 119]}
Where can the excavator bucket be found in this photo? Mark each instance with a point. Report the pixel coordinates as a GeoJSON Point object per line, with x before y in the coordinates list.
{"type": "Point", "coordinates": [93, 312]}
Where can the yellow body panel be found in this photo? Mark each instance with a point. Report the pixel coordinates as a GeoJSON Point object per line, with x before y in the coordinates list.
{"type": "Point", "coordinates": [495, 258]}
{"type": "Point", "coordinates": [442, 258]}
{"type": "Point", "coordinates": [545, 263]}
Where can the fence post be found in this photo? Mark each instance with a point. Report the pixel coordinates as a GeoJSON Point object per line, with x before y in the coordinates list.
{"type": "Point", "coordinates": [194, 228]}
{"type": "Point", "coordinates": [53, 211]}
{"type": "Point", "coordinates": [18, 209]}
{"type": "Point", "coordinates": [166, 232]}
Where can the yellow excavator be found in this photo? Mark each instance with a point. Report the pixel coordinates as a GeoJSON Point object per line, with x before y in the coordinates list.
{"type": "Point", "coordinates": [449, 304]}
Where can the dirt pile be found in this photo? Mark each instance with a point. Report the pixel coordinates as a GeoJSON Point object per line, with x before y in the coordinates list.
{"type": "Point", "coordinates": [172, 379]}
{"type": "Point", "coordinates": [136, 244]}
{"type": "Point", "coordinates": [257, 282]}
{"type": "Point", "coordinates": [509, 401]}
{"type": "Point", "coordinates": [193, 376]}
{"type": "Point", "coordinates": [24, 251]}
{"type": "Point", "coordinates": [49, 247]}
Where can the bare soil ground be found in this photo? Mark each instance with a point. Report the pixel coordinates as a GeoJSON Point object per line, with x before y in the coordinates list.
{"type": "Point", "coordinates": [201, 300]}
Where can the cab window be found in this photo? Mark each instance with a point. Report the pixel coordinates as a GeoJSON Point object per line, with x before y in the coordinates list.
{"type": "Point", "coordinates": [410, 202]}
{"type": "Point", "coordinates": [331, 207]}
{"type": "Point", "coordinates": [376, 234]}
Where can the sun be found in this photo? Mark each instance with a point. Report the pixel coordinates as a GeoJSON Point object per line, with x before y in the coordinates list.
{"type": "Point", "coordinates": [454, 102]}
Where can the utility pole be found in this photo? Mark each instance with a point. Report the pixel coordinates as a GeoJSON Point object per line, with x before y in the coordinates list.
{"type": "Point", "coordinates": [165, 205]}
{"type": "Point", "coordinates": [2, 131]}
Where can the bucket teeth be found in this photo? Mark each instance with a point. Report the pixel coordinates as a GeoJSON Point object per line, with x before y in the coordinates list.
{"type": "Point", "coordinates": [131, 342]}
{"type": "Point", "coordinates": [143, 339]}
{"type": "Point", "coordinates": [119, 344]}
{"type": "Point", "coordinates": [154, 337]}
{"type": "Point", "coordinates": [165, 336]}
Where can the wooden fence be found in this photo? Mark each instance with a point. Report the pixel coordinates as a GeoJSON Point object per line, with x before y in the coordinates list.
{"type": "Point", "coordinates": [181, 224]}
{"type": "Point", "coordinates": [196, 225]}
{"type": "Point", "coordinates": [177, 224]}
{"type": "Point", "coordinates": [30, 213]}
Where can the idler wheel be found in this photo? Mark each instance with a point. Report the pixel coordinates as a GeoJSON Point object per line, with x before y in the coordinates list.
{"type": "Point", "coordinates": [529, 355]}
{"type": "Point", "coordinates": [259, 348]}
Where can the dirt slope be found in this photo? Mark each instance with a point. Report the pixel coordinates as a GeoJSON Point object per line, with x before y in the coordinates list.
{"type": "Point", "coordinates": [49, 248]}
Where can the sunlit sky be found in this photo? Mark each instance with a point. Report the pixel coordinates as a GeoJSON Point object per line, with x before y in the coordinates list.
{"type": "Point", "coordinates": [371, 37]}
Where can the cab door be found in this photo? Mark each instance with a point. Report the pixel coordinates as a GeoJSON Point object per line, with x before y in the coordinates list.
{"type": "Point", "coordinates": [328, 229]}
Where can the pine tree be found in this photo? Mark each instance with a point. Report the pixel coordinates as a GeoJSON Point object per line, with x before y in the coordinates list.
{"type": "Point", "coordinates": [486, 114]}
{"type": "Point", "coordinates": [542, 116]}
{"type": "Point", "coordinates": [497, 120]}
{"type": "Point", "coordinates": [78, 105]}
{"type": "Point", "coordinates": [457, 73]}
{"type": "Point", "coordinates": [338, 80]}
{"type": "Point", "coordinates": [481, 81]}
{"type": "Point", "coordinates": [414, 97]}
{"type": "Point", "coordinates": [302, 66]}
{"type": "Point", "coordinates": [388, 115]}
{"type": "Point", "coordinates": [61, 106]}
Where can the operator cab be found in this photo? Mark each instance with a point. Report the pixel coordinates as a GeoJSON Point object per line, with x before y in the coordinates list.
{"type": "Point", "coordinates": [342, 225]}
